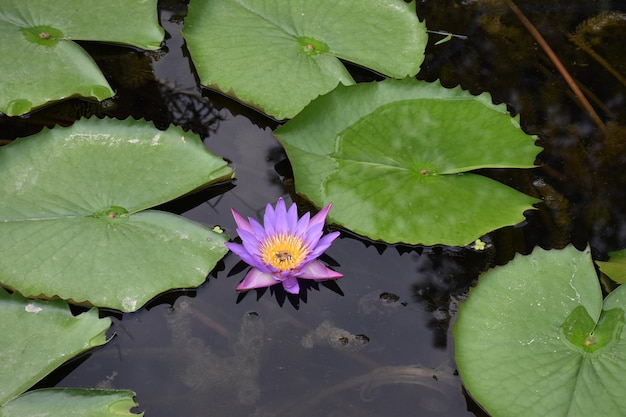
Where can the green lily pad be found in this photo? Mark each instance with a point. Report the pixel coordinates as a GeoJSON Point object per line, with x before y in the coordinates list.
{"type": "Point", "coordinates": [41, 63]}
{"type": "Point", "coordinates": [395, 159]}
{"type": "Point", "coordinates": [37, 337]}
{"type": "Point", "coordinates": [71, 402]}
{"type": "Point", "coordinates": [534, 338]}
{"type": "Point", "coordinates": [615, 267]}
{"type": "Point", "coordinates": [277, 56]}
{"type": "Point", "coordinates": [71, 216]}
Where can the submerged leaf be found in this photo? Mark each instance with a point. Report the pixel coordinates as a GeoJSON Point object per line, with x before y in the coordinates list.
{"type": "Point", "coordinates": [37, 337]}
{"type": "Point", "coordinates": [615, 267]}
{"type": "Point", "coordinates": [42, 63]}
{"type": "Point", "coordinates": [71, 217]}
{"type": "Point", "coordinates": [395, 159]}
{"type": "Point", "coordinates": [534, 336]}
{"type": "Point", "coordinates": [277, 56]}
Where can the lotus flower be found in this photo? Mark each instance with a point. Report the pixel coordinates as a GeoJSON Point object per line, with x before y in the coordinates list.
{"type": "Point", "coordinates": [284, 248]}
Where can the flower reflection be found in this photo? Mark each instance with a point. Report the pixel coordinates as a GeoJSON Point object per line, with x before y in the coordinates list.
{"type": "Point", "coordinates": [284, 248]}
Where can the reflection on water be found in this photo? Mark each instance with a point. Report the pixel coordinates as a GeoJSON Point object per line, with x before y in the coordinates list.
{"type": "Point", "coordinates": [286, 365]}
{"type": "Point", "coordinates": [210, 375]}
{"type": "Point", "coordinates": [208, 356]}
{"type": "Point", "coordinates": [441, 379]}
{"type": "Point", "coordinates": [361, 395]}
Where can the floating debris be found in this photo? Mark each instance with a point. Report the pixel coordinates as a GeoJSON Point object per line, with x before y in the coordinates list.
{"type": "Point", "coordinates": [327, 334]}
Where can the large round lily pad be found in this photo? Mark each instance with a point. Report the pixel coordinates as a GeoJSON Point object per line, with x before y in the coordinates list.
{"type": "Point", "coordinates": [71, 218]}
{"type": "Point", "coordinates": [278, 55]}
{"type": "Point", "coordinates": [396, 159]}
{"type": "Point", "coordinates": [535, 338]}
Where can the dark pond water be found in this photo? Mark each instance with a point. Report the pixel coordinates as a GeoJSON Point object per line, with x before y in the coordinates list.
{"type": "Point", "coordinates": [379, 343]}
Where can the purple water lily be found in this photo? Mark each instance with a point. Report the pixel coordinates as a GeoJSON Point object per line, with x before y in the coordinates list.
{"type": "Point", "coordinates": [284, 248]}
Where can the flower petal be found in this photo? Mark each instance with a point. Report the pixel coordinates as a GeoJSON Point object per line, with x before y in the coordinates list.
{"type": "Point", "coordinates": [316, 226]}
{"type": "Point", "coordinates": [320, 217]}
{"type": "Point", "coordinates": [317, 270]}
{"type": "Point", "coordinates": [258, 229]}
{"type": "Point", "coordinates": [313, 235]}
{"type": "Point", "coordinates": [245, 256]}
{"type": "Point", "coordinates": [241, 222]}
{"type": "Point", "coordinates": [323, 244]}
{"type": "Point", "coordinates": [303, 224]}
{"type": "Point", "coordinates": [280, 224]}
{"type": "Point", "coordinates": [256, 279]}
{"type": "Point", "coordinates": [250, 242]}
{"type": "Point", "coordinates": [291, 285]}
{"type": "Point", "coordinates": [292, 218]}
{"type": "Point", "coordinates": [269, 219]}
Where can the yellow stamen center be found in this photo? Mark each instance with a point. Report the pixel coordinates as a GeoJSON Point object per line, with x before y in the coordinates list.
{"type": "Point", "coordinates": [283, 251]}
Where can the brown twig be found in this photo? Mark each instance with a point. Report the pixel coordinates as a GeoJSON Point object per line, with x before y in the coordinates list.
{"type": "Point", "coordinates": [598, 59]}
{"type": "Point", "coordinates": [558, 64]}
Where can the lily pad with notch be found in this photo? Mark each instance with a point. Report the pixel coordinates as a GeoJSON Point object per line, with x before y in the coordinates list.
{"type": "Point", "coordinates": [74, 221]}
{"type": "Point", "coordinates": [277, 56]}
{"type": "Point", "coordinates": [41, 63]}
{"type": "Point", "coordinates": [396, 159]}
{"type": "Point", "coordinates": [535, 337]}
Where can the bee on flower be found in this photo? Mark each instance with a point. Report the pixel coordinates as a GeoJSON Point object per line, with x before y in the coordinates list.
{"type": "Point", "coordinates": [284, 248]}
